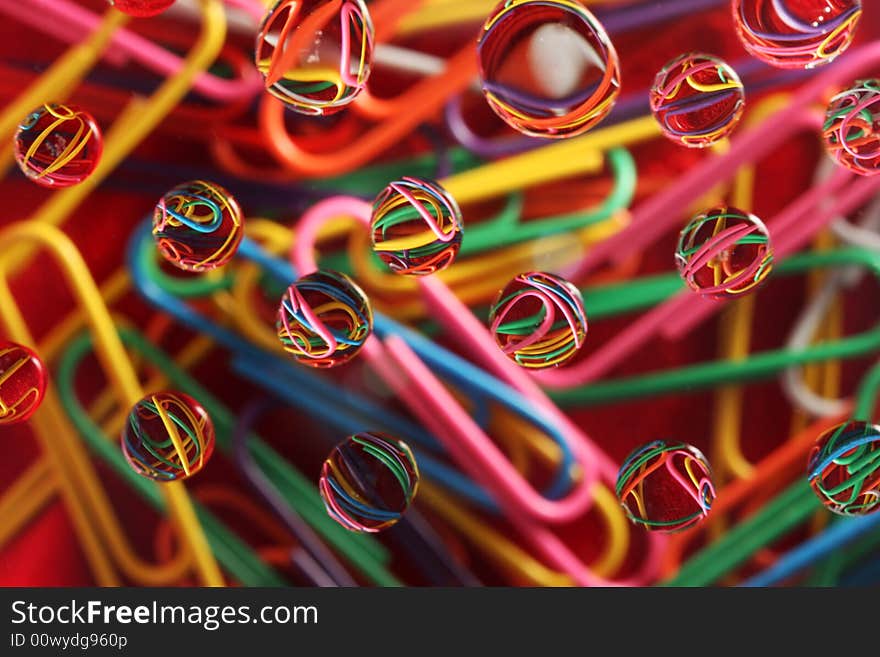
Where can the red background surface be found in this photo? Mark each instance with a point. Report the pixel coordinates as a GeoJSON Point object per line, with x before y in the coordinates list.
{"type": "Point", "coordinates": [47, 554]}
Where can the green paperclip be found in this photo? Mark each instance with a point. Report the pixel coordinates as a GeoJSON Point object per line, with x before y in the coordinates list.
{"type": "Point", "coordinates": [507, 228]}
{"type": "Point", "coordinates": [791, 508]}
{"type": "Point", "coordinates": [830, 570]}
{"type": "Point", "coordinates": [504, 229]}
{"type": "Point", "coordinates": [363, 552]}
{"type": "Point", "coordinates": [617, 299]}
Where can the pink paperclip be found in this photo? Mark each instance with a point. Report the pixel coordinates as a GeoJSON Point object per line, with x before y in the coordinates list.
{"type": "Point", "coordinates": [464, 439]}
{"type": "Point", "coordinates": [542, 539]}
{"type": "Point", "coordinates": [790, 229]}
{"type": "Point", "coordinates": [807, 221]}
{"type": "Point", "coordinates": [434, 405]}
{"type": "Point", "coordinates": [662, 212]}
{"type": "Point", "coordinates": [69, 21]}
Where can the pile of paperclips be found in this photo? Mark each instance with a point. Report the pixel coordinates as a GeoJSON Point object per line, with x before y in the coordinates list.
{"type": "Point", "coordinates": [516, 490]}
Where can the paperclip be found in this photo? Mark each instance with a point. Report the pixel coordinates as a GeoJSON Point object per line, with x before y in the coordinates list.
{"type": "Point", "coordinates": [784, 512]}
{"type": "Point", "coordinates": [78, 477]}
{"type": "Point", "coordinates": [540, 166]}
{"type": "Point", "coordinates": [361, 551]}
{"type": "Point", "coordinates": [38, 484]}
{"type": "Point", "coordinates": [794, 225]}
{"type": "Point", "coordinates": [504, 230]}
{"type": "Point", "coordinates": [763, 364]}
{"type": "Point", "coordinates": [66, 19]}
{"type": "Point", "coordinates": [416, 385]}
{"type": "Point", "coordinates": [735, 334]}
{"type": "Point", "coordinates": [669, 313]}
{"type": "Point", "coordinates": [135, 122]}
{"type": "Point", "coordinates": [387, 16]}
{"type": "Point", "coordinates": [727, 457]}
{"type": "Point", "coordinates": [300, 387]}
{"type": "Point", "coordinates": [422, 99]}
{"type": "Point", "coordinates": [477, 279]}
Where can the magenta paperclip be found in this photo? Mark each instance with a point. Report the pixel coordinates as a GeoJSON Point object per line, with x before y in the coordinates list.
{"type": "Point", "coordinates": [464, 439]}
{"type": "Point", "coordinates": [790, 229]}
{"type": "Point", "coordinates": [434, 405]}
{"type": "Point", "coordinates": [69, 21]}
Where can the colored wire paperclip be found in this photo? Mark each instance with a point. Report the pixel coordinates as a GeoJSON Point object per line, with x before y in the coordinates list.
{"type": "Point", "coordinates": [431, 402]}
{"type": "Point", "coordinates": [135, 122]}
{"type": "Point", "coordinates": [305, 389]}
{"type": "Point", "coordinates": [78, 479]}
{"type": "Point", "coordinates": [361, 551]}
{"type": "Point", "coordinates": [791, 228]}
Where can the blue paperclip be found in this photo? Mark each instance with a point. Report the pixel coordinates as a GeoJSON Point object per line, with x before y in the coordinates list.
{"type": "Point", "coordinates": [480, 385]}
{"type": "Point", "coordinates": [349, 411]}
{"type": "Point", "coordinates": [822, 545]}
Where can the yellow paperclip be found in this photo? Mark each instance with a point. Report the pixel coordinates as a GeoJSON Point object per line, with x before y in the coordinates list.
{"type": "Point", "coordinates": [735, 329]}
{"type": "Point", "coordinates": [567, 158]}
{"type": "Point", "coordinates": [557, 161]}
{"type": "Point", "coordinates": [476, 279]}
{"type": "Point", "coordinates": [133, 124]}
{"type": "Point", "coordinates": [25, 498]}
{"type": "Point", "coordinates": [79, 482]}
{"type": "Point", "coordinates": [735, 332]}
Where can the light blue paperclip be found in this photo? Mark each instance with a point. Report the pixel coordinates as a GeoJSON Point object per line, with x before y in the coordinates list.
{"type": "Point", "coordinates": [822, 545]}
